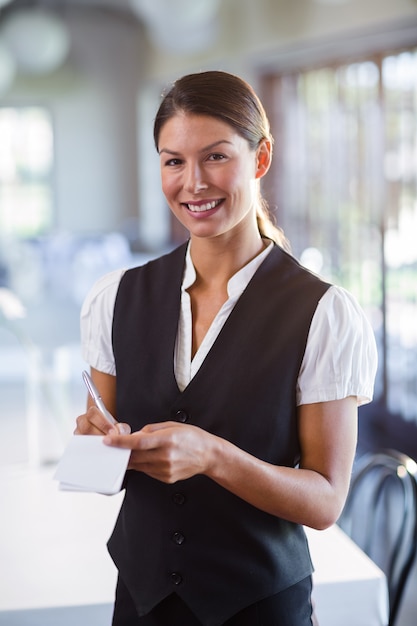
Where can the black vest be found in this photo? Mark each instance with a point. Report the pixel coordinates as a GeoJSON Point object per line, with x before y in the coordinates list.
{"type": "Point", "coordinates": [218, 553]}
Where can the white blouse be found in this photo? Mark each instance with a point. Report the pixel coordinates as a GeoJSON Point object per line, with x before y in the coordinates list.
{"type": "Point", "coordinates": [340, 359]}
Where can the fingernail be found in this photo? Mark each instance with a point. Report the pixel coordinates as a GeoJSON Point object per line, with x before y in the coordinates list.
{"type": "Point", "coordinates": [124, 429]}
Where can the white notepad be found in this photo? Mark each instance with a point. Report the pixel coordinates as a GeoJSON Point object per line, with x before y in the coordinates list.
{"type": "Point", "coordinates": [90, 465]}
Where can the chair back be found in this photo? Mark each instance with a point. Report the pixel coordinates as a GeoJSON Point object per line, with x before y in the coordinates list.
{"type": "Point", "coordinates": [380, 515]}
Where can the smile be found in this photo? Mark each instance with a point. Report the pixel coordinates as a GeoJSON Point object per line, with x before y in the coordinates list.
{"type": "Point", "coordinates": [201, 208]}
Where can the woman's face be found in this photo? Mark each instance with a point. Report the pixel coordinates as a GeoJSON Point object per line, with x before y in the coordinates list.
{"type": "Point", "coordinates": [210, 174]}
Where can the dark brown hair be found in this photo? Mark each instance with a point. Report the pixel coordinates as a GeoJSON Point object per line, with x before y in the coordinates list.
{"type": "Point", "coordinates": [233, 101]}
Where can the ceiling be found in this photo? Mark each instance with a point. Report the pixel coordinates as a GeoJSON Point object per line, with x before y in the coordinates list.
{"type": "Point", "coordinates": [117, 5]}
{"type": "Point", "coordinates": [123, 6]}
{"type": "Point", "coordinates": [195, 22]}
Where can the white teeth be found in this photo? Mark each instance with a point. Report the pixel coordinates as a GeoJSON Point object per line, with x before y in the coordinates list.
{"type": "Point", "coordinates": [200, 208]}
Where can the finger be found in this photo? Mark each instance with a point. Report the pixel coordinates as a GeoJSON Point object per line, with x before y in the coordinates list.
{"type": "Point", "coordinates": [119, 441]}
{"type": "Point", "coordinates": [136, 441]}
{"type": "Point", "coordinates": [120, 429]}
{"type": "Point", "coordinates": [92, 422]}
{"type": "Point", "coordinates": [155, 426]}
{"type": "Point", "coordinates": [124, 429]}
{"type": "Point", "coordinates": [151, 437]}
{"type": "Point", "coordinates": [85, 426]}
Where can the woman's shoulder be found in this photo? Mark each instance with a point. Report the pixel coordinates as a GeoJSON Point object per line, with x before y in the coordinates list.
{"type": "Point", "coordinates": [108, 281]}
{"type": "Point", "coordinates": [340, 315]}
{"type": "Point", "coordinates": [103, 290]}
{"type": "Point", "coordinates": [340, 302]}
{"type": "Point", "coordinates": [341, 356]}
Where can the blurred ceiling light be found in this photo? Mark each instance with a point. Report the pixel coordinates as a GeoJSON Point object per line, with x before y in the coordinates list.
{"type": "Point", "coordinates": [4, 2]}
{"type": "Point", "coordinates": [37, 39]}
{"type": "Point", "coordinates": [176, 12]}
{"type": "Point", "coordinates": [7, 68]}
{"type": "Point", "coordinates": [179, 25]}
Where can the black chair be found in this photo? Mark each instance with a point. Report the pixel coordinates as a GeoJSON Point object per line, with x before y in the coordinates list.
{"type": "Point", "coordinates": [380, 515]}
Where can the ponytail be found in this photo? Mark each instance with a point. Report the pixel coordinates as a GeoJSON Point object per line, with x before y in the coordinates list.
{"type": "Point", "coordinates": [268, 228]}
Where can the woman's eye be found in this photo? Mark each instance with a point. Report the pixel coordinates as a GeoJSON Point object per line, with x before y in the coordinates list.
{"type": "Point", "coordinates": [173, 162]}
{"type": "Point", "coordinates": [216, 157]}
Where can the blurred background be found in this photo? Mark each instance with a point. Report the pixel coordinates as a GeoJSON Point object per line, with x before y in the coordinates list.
{"type": "Point", "coordinates": [80, 81]}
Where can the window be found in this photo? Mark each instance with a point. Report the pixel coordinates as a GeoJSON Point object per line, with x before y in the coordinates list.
{"type": "Point", "coordinates": [344, 185]}
{"type": "Point", "coordinates": [26, 158]}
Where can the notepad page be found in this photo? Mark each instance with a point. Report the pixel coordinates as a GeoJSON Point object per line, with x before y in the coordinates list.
{"type": "Point", "coordinates": [90, 465]}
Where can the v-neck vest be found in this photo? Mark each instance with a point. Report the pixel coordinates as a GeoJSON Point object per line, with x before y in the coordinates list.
{"type": "Point", "coordinates": [195, 538]}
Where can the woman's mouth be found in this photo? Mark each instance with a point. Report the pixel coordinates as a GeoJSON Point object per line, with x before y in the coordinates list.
{"type": "Point", "coordinates": [202, 207]}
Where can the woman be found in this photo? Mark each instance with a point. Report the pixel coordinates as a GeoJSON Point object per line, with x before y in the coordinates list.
{"type": "Point", "coordinates": [239, 374]}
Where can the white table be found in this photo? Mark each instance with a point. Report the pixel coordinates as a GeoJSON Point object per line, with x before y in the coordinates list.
{"type": "Point", "coordinates": [55, 569]}
{"type": "Point", "coordinates": [348, 588]}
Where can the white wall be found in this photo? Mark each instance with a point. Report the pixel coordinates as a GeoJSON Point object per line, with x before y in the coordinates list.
{"type": "Point", "coordinates": [93, 101]}
{"type": "Point", "coordinates": [96, 127]}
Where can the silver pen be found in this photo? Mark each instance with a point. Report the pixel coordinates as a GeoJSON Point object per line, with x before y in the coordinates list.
{"type": "Point", "coordinates": [98, 401]}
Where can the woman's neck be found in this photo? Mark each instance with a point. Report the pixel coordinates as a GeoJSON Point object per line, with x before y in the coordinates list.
{"type": "Point", "coordinates": [217, 260]}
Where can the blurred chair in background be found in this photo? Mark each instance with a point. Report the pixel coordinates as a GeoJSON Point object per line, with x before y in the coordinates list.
{"type": "Point", "coordinates": [380, 515]}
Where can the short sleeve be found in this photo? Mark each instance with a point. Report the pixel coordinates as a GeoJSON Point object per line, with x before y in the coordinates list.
{"type": "Point", "coordinates": [340, 359]}
{"type": "Point", "coordinates": [96, 322]}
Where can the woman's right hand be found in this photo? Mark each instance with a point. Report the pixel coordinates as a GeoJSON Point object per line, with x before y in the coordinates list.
{"type": "Point", "coordinates": [93, 422]}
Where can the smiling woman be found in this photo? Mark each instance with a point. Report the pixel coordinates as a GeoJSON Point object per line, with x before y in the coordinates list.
{"type": "Point", "coordinates": [210, 174]}
{"type": "Point", "coordinates": [239, 374]}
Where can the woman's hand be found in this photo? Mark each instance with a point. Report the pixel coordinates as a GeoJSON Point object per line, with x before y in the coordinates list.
{"type": "Point", "coordinates": [312, 494]}
{"type": "Point", "coordinates": [93, 422]}
{"type": "Point", "coordinates": [167, 451]}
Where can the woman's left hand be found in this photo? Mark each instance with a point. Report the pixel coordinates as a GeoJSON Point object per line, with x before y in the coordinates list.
{"type": "Point", "coordinates": [167, 451]}
{"type": "Point", "coordinates": [312, 494]}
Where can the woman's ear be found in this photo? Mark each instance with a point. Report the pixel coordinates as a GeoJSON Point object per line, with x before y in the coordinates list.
{"type": "Point", "coordinates": [263, 158]}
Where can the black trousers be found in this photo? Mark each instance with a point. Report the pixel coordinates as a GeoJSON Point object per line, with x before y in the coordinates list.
{"type": "Point", "coordinates": [291, 607]}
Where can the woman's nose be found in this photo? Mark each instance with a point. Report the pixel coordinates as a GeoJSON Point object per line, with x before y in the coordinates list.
{"type": "Point", "coordinates": [195, 181]}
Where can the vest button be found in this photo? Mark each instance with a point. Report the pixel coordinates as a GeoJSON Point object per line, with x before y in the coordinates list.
{"type": "Point", "coordinates": [178, 538]}
{"type": "Point", "coordinates": [176, 578]}
{"type": "Point", "coordinates": [181, 416]}
{"type": "Point", "coordinates": [178, 498]}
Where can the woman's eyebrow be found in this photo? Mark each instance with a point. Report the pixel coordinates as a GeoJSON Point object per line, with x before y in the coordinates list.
{"type": "Point", "coordinates": [204, 149]}
{"type": "Point", "coordinates": [215, 144]}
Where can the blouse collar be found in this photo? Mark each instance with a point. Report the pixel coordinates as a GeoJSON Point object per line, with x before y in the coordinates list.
{"type": "Point", "coordinates": [238, 282]}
